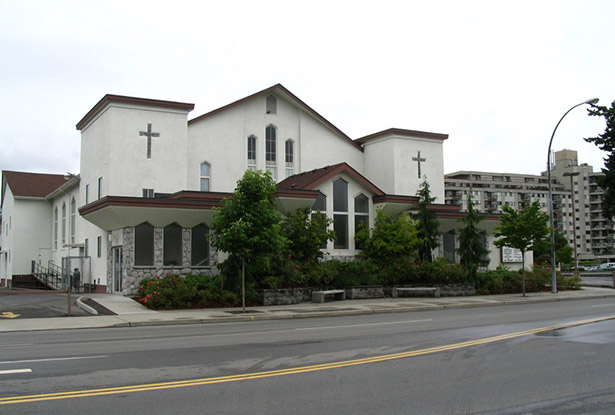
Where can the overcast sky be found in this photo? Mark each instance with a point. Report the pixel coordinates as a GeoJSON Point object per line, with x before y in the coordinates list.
{"type": "Point", "coordinates": [496, 76]}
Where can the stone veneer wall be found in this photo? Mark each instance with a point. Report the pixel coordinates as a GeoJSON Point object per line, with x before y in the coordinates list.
{"type": "Point", "coordinates": [133, 275]}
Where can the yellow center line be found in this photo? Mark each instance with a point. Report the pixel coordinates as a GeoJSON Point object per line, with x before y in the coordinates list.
{"type": "Point", "coordinates": [289, 371]}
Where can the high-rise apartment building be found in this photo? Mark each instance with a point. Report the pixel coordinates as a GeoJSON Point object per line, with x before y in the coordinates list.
{"type": "Point", "coordinates": [577, 200]}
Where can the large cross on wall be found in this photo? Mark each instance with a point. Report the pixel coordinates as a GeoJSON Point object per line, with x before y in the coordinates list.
{"type": "Point", "coordinates": [149, 134]}
{"type": "Point", "coordinates": [418, 160]}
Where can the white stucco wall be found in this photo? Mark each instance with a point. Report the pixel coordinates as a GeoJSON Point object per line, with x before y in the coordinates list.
{"type": "Point", "coordinates": [28, 237]}
{"type": "Point", "coordinates": [389, 165]}
{"type": "Point", "coordinates": [112, 148]}
{"type": "Point", "coordinates": [221, 140]}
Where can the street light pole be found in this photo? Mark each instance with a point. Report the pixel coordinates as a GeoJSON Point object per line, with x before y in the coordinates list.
{"type": "Point", "coordinates": [553, 275]}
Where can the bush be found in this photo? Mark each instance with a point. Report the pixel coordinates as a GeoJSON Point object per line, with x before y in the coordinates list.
{"type": "Point", "coordinates": [170, 292]}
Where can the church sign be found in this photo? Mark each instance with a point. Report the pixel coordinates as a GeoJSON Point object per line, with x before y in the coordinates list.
{"type": "Point", "coordinates": [511, 255]}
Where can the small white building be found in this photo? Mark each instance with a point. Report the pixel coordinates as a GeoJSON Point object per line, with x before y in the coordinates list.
{"type": "Point", "coordinates": [142, 203]}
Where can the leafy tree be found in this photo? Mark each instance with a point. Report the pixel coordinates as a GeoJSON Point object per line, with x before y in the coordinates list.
{"type": "Point", "coordinates": [563, 251]}
{"type": "Point", "coordinates": [247, 227]}
{"type": "Point", "coordinates": [471, 242]}
{"type": "Point", "coordinates": [393, 237]}
{"type": "Point", "coordinates": [520, 229]}
{"type": "Point", "coordinates": [606, 142]}
{"type": "Point", "coordinates": [306, 233]}
{"type": "Point", "coordinates": [427, 224]}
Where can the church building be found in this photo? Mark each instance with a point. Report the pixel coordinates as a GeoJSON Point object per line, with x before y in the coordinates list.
{"type": "Point", "coordinates": [150, 177]}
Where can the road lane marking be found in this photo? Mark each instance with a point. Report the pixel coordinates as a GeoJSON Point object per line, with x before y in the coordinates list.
{"type": "Point", "coordinates": [603, 305]}
{"type": "Point", "coordinates": [289, 371]}
{"type": "Point", "coordinates": [362, 325]}
{"type": "Point", "coordinates": [16, 344]}
{"type": "Point", "coordinates": [9, 372]}
{"type": "Point", "coordinates": [57, 359]}
{"type": "Point", "coordinates": [9, 314]}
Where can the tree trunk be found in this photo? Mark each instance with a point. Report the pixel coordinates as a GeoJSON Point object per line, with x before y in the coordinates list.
{"type": "Point", "coordinates": [523, 272]}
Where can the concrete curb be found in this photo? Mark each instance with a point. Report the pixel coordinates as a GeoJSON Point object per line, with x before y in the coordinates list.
{"type": "Point", "coordinates": [86, 307]}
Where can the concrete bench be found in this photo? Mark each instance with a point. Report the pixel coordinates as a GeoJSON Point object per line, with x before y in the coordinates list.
{"type": "Point", "coordinates": [416, 292]}
{"type": "Point", "coordinates": [331, 295]}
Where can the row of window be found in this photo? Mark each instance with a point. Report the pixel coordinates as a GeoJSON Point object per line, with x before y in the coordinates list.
{"type": "Point", "coordinates": [63, 229]}
{"type": "Point", "coordinates": [172, 254]}
{"type": "Point", "coordinates": [270, 157]}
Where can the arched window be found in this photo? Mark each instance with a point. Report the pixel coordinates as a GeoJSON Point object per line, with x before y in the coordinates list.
{"type": "Point", "coordinates": [289, 147]}
{"type": "Point", "coordinates": [270, 150]}
{"type": "Point", "coordinates": [361, 214]}
{"type": "Point", "coordinates": [172, 248]}
{"type": "Point", "coordinates": [271, 105]}
{"type": "Point", "coordinates": [63, 223]}
{"type": "Point", "coordinates": [200, 246]}
{"type": "Point", "coordinates": [205, 177]}
{"type": "Point", "coordinates": [252, 153]}
{"type": "Point", "coordinates": [73, 220]}
{"type": "Point", "coordinates": [340, 214]}
{"type": "Point", "coordinates": [55, 228]}
{"type": "Point", "coordinates": [144, 244]}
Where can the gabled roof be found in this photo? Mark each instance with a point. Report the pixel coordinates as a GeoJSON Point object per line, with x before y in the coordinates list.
{"type": "Point", "coordinates": [311, 179]}
{"type": "Point", "coordinates": [121, 99]}
{"type": "Point", "coordinates": [278, 88]}
{"type": "Point", "coordinates": [402, 132]}
{"type": "Point", "coordinates": [24, 184]}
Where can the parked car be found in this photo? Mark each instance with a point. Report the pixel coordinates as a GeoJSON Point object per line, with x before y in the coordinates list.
{"type": "Point", "coordinates": [607, 266]}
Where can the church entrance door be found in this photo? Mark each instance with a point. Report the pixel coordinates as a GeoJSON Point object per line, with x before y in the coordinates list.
{"type": "Point", "coordinates": [116, 284]}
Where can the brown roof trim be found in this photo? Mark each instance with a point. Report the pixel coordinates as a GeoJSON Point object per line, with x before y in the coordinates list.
{"type": "Point", "coordinates": [112, 201]}
{"type": "Point", "coordinates": [396, 199]}
{"type": "Point", "coordinates": [309, 180]}
{"type": "Point", "coordinates": [196, 195]}
{"type": "Point", "coordinates": [281, 88]}
{"type": "Point", "coordinates": [297, 193]}
{"type": "Point", "coordinates": [400, 131]}
{"type": "Point", "coordinates": [121, 99]}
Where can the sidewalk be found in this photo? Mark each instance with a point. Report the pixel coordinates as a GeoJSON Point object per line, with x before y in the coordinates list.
{"type": "Point", "coordinates": [129, 313]}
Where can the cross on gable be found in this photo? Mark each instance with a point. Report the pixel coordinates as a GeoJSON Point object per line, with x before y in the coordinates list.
{"type": "Point", "coordinates": [418, 159]}
{"type": "Point", "coordinates": [149, 134]}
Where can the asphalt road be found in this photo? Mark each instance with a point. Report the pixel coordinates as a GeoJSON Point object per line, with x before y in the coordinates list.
{"type": "Point", "coordinates": [417, 363]}
{"type": "Point", "coordinates": [42, 304]}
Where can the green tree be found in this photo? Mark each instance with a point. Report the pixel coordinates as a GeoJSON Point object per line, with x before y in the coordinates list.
{"type": "Point", "coordinates": [563, 251]}
{"type": "Point", "coordinates": [606, 142]}
{"type": "Point", "coordinates": [307, 234]}
{"type": "Point", "coordinates": [427, 224]}
{"type": "Point", "coordinates": [520, 229]}
{"type": "Point", "coordinates": [472, 242]}
{"type": "Point", "coordinates": [247, 227]}
{"type": "Point", "coordinates": [392, 238]}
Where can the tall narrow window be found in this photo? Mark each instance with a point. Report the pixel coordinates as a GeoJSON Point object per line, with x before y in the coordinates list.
{"type": "Point", "coordinates": [63, 224]}
{"type": "Point", "coordinates": [87, 194]}
{"type": "Point", "coordinates": [271, 105]}
{"type": "Point", "coordinates": [361, 215]}
{"type": "Point", "coordinates": [200, 246]}
{"type": "Point", "coordinates": [320, 208]}
{"type": "Point", "coordinates": [99, 246]}
{"type": "Point", "coordinates": [144, 244]}
{"type": "Point", "coordinates": [55, 228]}
{"type": "Point", "coordinates": [252, 153]}
{"type": "Point", "coordinates": [100, 187]}
{"type": "Point", "coordinates": [73, 220]}
{"type": "Point", "coordinates": [270, 150]}
{"type": "Point", "coordinates": [86, 248]}
{"type": "Point", "coordinates": [340, 214]}
{"type": "Point", "coordinates": [290, 157]}
{"type": "Point", "coordinates": [205, 176]}
{"type": "Point", "coordinates": [172, 248]}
